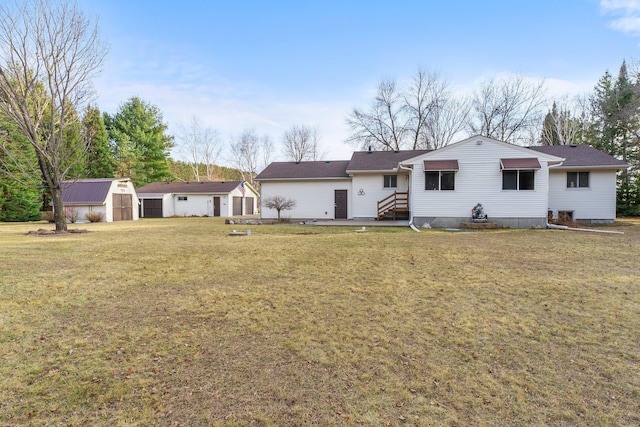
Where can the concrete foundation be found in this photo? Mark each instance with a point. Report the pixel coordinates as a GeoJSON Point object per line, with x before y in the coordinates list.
{"type": "Point", "coordinates": [454, 222]}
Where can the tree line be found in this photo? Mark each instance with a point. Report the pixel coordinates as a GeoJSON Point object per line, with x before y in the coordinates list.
{"type": "Point", "coordinates": [50, 131]}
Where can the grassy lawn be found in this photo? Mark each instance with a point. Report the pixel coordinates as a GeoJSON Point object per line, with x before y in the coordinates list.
{"type": "Point", "coordinates": [173, 322]}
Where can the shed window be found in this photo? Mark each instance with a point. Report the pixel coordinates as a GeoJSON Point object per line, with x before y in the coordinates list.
{"type": "Point", "coordinates": [390, 181]}
{"type": "Point", "coordinates": [518, 179]}
{"type": "Point", "coordinates": [440, 180]}
{"type": "Point", "coordinates": [182, 198]}
{"type": "Point", "coordinates": [577, 179]}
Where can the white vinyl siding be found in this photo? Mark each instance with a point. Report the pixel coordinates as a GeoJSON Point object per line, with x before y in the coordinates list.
{"type": "Point", "coordinates": [315, 199]}
{"type": "Point", "coordinates": [479, 180]}
{"type": "Point", "coordinates": [597, 202]}
{"type": "Point", "coordinates": [367, 191]}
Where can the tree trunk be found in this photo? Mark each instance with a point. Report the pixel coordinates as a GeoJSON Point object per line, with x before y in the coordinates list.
{"type": "Point", "coordinates": [58, 210]}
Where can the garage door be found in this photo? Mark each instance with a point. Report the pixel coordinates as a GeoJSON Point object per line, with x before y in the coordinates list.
{"type": "Point", "coordinates": [122, 207]}
{"type": "Point", "coordinates": [248, 206]}
{"type": "Point", "coordinates": [152, 208]}
{"type": "Point", "coordinates": [237, 206]}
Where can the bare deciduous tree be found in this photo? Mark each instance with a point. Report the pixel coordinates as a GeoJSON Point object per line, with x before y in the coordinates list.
{"type": "Point", "coordinates": [424, 115]}
{"type": "Point", "coordinates": [279, 203]}
{"type": "Point", "coordinates": [507, 109]}
{"type": "Point", "coordinates": [445, 122]}
{"type": "Point", "coordinates": [201, 146]}
{"type": "Point", "coordinates": [250, 153]}
{"type": "Point", "coordinates": [561, 126]}
{"type": "Point", "coordinates": [49, 51]}
{"type": "Point", "coordinates": [383, 125]}
{"type": "Point", "coordinates": [435, 115]}
{"type": "Point", "coordinates": [301, 143]}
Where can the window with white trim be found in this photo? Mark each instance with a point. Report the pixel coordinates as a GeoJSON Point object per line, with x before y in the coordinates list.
{"type": "Point", "coordinates": [440, 180]}
{"type": "Point", "coordinates": [577, 179]}
{"type": "Point", "coordinates": [518, 179]}
{"type": "Point", "coordinates": [390, 181]}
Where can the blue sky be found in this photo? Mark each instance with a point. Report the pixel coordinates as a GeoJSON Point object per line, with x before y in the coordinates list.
{"type": "Point", "coordinates": [269, 65]}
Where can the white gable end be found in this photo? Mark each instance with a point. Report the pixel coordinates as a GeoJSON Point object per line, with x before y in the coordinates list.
{"type": "Point", "coordinates": [479, 179]}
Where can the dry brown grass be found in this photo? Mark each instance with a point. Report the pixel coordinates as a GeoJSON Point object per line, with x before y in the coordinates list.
{"type": "Point", "coordinates": [173, 322]}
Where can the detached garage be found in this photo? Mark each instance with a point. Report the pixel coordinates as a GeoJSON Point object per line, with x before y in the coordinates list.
{"type": "Point", "coordinates": [114, 198]}
{"type": "Point", "coordinates": [215, 199]}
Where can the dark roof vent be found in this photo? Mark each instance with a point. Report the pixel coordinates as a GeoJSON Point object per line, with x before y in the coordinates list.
{"type": "Point", "coordinates": [574, 145]}
{"type": "Point", "coordinates": [370, 149]}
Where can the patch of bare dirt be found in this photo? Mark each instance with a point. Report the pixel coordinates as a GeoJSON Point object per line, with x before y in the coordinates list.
{"type": "Point", "coordinates": [46, 232]}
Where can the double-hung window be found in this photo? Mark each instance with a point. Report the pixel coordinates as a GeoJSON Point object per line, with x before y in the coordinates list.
{"type": "Point", "coordinates": [390, 181]}
{"type": "Point", "coordinates": [440, 175]}
{"type": "Point", "coordinates": [519, 174]}
{"type": "Point", "coordinates": [577, 179]}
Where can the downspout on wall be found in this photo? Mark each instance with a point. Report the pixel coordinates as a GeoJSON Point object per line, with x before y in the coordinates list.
{"type": "Point", "coordinates": [410, 170]}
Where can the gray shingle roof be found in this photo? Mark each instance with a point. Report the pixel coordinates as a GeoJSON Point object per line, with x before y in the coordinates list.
{"type": "Point", "coordinates": [189, 187]}
{"type": "Point", "coordinates": [380, 160]}
{"type": "Point", "coordinates": [86, 191]}
{"type": "Point", "coordinates": [305, 170]}
{"type": "Point", "coordinates": [581, 156]}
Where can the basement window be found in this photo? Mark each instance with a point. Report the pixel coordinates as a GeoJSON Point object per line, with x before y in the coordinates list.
{"type": "Point", "coordinates": [577, 179]}
{"type": "Point", "coordinates": [182, 198]}
{"type": "Point", "coordinates": [390, 181]}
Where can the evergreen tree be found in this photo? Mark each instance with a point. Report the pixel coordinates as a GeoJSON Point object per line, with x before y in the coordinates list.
{"type": "Point", "coordinates": [615, 129]}
{"type": "Point", "coordinates": [99, 161]}
{"type": "Point", "coordinates": [549, 129]}
{"type": "Point", "coordinates": [139, 142]}
{"type": "Point", "coordinates": [19, 177]}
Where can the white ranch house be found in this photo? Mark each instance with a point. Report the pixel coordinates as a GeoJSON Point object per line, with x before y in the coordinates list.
{"type": "Point", "coordinates": [214, 199]}
{"type": "Point", "coordinates": [115, 198]}
{"type": "Point", "coordinates": [518, 187]}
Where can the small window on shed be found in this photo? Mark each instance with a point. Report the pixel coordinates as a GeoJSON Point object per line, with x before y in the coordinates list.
{"type": "Point", "coordinates": [182, 198]}
{"type": "Point", "coordinates": [390, 181]}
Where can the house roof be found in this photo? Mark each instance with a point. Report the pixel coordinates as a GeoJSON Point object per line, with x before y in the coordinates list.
{"type": "Point", "coordinates": [87, 191]}
{"type": "Point", "coordinates": [380, 160]}
{"type": "Point", "coordinates": [581, 156]}
{"type": "Point", "coordinates": [305, 170]}
{"type": "Point", "coordinates": [189, 187]}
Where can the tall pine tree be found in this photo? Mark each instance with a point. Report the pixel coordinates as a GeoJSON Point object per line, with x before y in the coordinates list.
{"type": "Point", "coordinates": [99, 161]}
{"type": "Point", "coordinates": [615, 129]}
{"type": "Point", "coordinates": [20, 190]}
{"type": "Point", "coordinates": [140, 142]}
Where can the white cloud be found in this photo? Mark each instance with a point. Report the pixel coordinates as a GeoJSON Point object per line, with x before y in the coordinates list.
{"type": "Point", "coordinates": [616, 5]}
{"type": "Point", "coordinates": [627, 24]}
{"type": "Point", "coordinates": [626, 15]}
